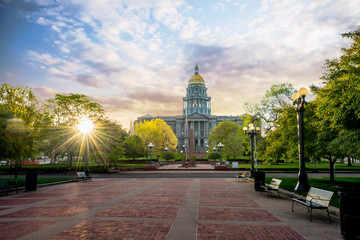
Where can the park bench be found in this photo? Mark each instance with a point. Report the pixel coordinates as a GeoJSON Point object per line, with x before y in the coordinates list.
{"type": "Point", "coordinates": [315, 199]}
{"type": "Point", "coordinates": [83, 176]}
{"type": "Point", "coordinates": [241, 176]}
{"type": "Point", "coordinates": [5, 186]}
{"type": "Point", "coordinates": [273, 186]}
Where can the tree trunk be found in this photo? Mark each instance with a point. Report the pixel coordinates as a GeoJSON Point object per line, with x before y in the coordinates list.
{"type": "Point", "coordinates": [68, 165]}
{"type": "Point", "coordinates": [52, 160]}
{"type": "Point", "coordinates": [332, 175]}
{"type": "Point", "coordinates": [71, 158]}
{"type": "Point", "coordinates": [349, 161]}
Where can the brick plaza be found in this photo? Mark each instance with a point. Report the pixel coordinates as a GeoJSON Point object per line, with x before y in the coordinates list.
{"type": "Point", "coordinates": [156, 208]}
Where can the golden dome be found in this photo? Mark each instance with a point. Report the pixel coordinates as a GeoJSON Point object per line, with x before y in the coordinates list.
{"type": "Point", "coordinates": [196, 78]}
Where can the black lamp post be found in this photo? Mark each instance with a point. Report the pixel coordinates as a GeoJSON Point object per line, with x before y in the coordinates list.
{"type": "Point", "coordinates": [150, 147]}
{"type": "Point", "coordinates": [166, 149]}
{"type": "Point", "coordinates": [214, 150]}
{"type": "Point", "coordinates": [220, 146]}
{"type": "Point", "coordinates": [252, 131]}
{"type": "Point", "coordinates": [299, 102]}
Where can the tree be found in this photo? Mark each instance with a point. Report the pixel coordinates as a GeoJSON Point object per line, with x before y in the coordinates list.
{"type": "Point", "coordinates": [134, 147]}
{"type": "Point", "coordinates": [116, 153]}
{"type": "Point", "coordinates": [22, 102]}
{"type": "Point", "coordinates": [15, 140]}
{"type": "Point", "coordinates": [272, 104]}
{"type": "Point", "coordinates": [169, 155]}
{"type": "Point", "coordinates": [61, 115]}
{"type": "Point", "coordinates": [158, 133]}
{"type": "Point", "coordinates": [227, 133]}
{"type": "Point", "coordinates": [106, 141]}
{"type": "Point", "coordinates": [338, 104]}
{"type": "Point", "coordinates": [19, 113]}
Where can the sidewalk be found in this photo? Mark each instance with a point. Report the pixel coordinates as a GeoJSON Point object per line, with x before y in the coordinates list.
{"type": "Point", "coordinates": [162, 208]}
{"type": "Point", "coordinates": [180, 167]}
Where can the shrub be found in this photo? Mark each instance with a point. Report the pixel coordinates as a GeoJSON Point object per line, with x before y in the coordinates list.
{"type": "Point", "coordinates": [211, 156]}
{"type": "Point", "coordinates": [192, 159]}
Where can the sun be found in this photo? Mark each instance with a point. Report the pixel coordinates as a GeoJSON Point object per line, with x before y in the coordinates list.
{"type": "Point", "coordinates": [85, 125]}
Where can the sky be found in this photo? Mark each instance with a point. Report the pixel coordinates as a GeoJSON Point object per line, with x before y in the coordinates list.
{"type": "Point", "coordinates": [136, 57]}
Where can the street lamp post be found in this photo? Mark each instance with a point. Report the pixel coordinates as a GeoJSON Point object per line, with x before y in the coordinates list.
{"type": "Point", "coordinates": [299, 100]}
{"type": "Point", "coordinates": [220, 146]}
{"type": "Point", "coordinates": [184, 150]}
{"type": "Point", "coordinates": [166, 149]}
{"type": "Point", "coordinates": [252, 131]}
{"type": "Point", "coordinates": [150, 148]}
{"type": "Point", "coordinates": [87, 157]}
{"type": "Point", "coordinates": [214, 150]}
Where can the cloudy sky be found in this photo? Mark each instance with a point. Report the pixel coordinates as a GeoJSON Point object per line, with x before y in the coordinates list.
{"type": "Point", "coordinates": [136, 57]}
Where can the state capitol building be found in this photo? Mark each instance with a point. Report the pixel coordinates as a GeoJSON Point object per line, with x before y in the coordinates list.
{"type": "Point", "coordinates": [193, 127]}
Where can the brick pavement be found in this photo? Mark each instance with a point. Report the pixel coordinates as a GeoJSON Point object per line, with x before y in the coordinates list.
{"type": "Point", "coordinates": [172, 209]}
{"type": "Point", "coordinates": [227, 231]}
{"type": "Point", "coordinates": [110, 229]}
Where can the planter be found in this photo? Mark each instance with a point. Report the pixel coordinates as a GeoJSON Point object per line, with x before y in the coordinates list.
{"type": "Point", "coordinates": [149, 168]}
{"type": "Point", "coordinates": [221, 168]}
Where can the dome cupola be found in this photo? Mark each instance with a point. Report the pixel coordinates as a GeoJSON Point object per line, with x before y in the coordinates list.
{"type": "Point", "coordinates": [196, 100]}
{"type": "Point", "coordinates": [196, 78]}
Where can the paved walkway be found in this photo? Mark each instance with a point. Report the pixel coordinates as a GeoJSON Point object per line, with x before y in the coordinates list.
{"type": "Point", "coordinates": [162, 208]}
{"type": "Point", "coordinates": [180, 167]}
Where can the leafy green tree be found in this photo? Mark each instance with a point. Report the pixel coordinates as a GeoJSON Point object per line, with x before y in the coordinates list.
{"type": "Point", "coordinates": [272, 104]}
{"type": "Point", "coordinates": [282, 142]}
{"type": "Point", "coordinates": [19, 113]}
{"type": "Point", "coordinates": [134, 147]}
{"type": "Point", "coordinates": [227, 133]}
{"type": "Point", "coordinates": [5, 153]}
{"type": "Point", "coordinates": [62, 114]}
{"type": "Point", "coordinates": [338, 104]}
{"type": "Point", "coordinates": [157, 132]}
{"type": "Point", "coordinates": [211, 155]}
{"type": "Point", "coordinates": [116, 153]}
{"type": "Point", "coordinates": [234, 146]}
{"type": "Point", "coordinates": [20, 101]}
{"type": "Point", "coordinates": [169, 155]}
{"type": "Point", "coordinates": [106, 139]}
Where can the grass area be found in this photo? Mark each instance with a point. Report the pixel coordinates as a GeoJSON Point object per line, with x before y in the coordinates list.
{"type": "Point", "coordinates": [322, 183]}
{"type": "Point", "coordinates": [21, 181]}
{"type": "Point", "coordinates": [294, 167]}
{"type": "Point", "coordinates": [131, 165]}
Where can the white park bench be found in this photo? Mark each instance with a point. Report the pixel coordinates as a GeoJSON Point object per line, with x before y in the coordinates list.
{"type": "Point", "coordinates": [273, 186]}
{"type": "Point", "coordinates": [241, 176]}
{"type": "Point", "coordinates": [83, 176]}
{"type": "Point", "coordinates": [315, 199]}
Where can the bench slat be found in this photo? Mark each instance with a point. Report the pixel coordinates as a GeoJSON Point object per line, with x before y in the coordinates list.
{"type": "Point", "coordinates": [273, 186]}
{"type": "Point", "coordinates": [83, 176]}
{"type": "Point", "coordinates": [315, 199]}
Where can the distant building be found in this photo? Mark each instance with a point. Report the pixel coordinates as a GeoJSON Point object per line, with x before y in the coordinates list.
{"type": "Point", "coordinates": [192, 129]}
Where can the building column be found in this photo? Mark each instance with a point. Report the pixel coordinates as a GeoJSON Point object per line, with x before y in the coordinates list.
{"type": "Point", "coordinates": [198, 129]}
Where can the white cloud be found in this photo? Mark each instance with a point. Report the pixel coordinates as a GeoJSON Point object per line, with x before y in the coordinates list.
{"type": "Point", "coordinates": [219, 7]}
{"type": "Point", "coordinates": [143, 52]}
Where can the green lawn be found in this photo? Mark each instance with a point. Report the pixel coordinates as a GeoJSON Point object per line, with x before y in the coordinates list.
{"type": "Point", "coordinates": [322, 183]}
{"type": "Point", "coordinates": [294, 167]}
{"type": "Point", "coordinates": [131, 165]}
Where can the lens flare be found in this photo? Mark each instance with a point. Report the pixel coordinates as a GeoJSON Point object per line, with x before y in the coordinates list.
{"type": "Point", "coordinates": [85, 125]}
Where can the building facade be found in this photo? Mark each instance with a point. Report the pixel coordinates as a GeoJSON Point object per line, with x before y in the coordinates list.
{"type": "Point", "coordinates": [193, 127]}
